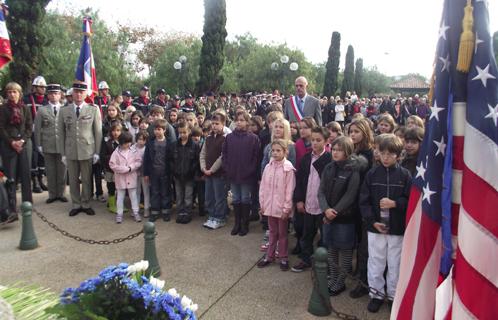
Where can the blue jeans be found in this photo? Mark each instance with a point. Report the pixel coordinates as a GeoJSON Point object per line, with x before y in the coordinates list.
{"type": "Point", "coordinates": [160, 193]}
{"type": "Point", "coordinates": [241, 193]}
{"type": "Point", "coordinates": [216, 198]}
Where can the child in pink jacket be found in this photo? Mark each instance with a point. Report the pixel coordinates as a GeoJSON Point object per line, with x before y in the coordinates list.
{"type": "Point", "coordinates": [125, 162]}
{"type": "Point", "coordinates": [275, 196]}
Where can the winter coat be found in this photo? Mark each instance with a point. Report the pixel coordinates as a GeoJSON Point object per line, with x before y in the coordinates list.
{"type": "Point", "coordinates": [125, 165]}
{"type": "Point", "coordinates": [106, 152]}
{"type": "Point", "coordinates": [185, 160]}
{"type": "Point", "coordinates": [276, 188]}
{"type": "Point", "coordinates": [381, 182]}
{"type": "Point", "coordinates": [240, 157]}
{"type": "Point", "coordinates": [303, 173]}
{"type": "Point", "coordinates": [339, 186]}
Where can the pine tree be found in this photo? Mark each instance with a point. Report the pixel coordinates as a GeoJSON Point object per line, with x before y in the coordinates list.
{"type": "Point", "coordinates": [213, 46]}
{"type": "Point", "coordinates": [358, 77]}
{"type": "Point", "coordinates": [348, 81]}
{"type": "Point", "coordinates": [26, 38]}
{"type": "Point", "coordinates": [332, 67]}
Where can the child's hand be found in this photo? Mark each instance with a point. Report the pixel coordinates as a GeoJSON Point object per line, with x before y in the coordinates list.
{"type": "Point", "coordinates": [331, 214]}
{"type": "Point", "coordinates": [300, 207]}
{"type": "Point", "coordinates": [146, 179]}
{"type": "Point", "coordinates": [208, 172]}
{"type": "Point", "coordinates": [386, 203]}
{"type": "Point", "coordinates": [380, 227]}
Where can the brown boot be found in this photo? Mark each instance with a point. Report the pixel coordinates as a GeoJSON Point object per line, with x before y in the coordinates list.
{"type": "Point", "coordinates": [236, 213]}
{"type": "Point", "coordinates": [244, 219]}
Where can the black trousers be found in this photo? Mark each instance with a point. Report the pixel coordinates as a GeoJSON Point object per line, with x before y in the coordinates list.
{"type": "Point", "coordinates": [311, 224]}
{"type": "Point", "coordinates": [17, 166]}
{"type": "Point", "coordinates": [97, 176]}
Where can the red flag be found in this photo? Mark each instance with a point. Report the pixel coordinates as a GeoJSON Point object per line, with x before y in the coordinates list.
{"type": "Point", "coordinates": [5, 51]}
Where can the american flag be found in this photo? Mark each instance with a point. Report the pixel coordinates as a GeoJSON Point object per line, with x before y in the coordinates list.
{"type": "Point", "coordinates": [5, 50]}
{"type": "Point", "coordinates": [85, 69]}
{"type": "Point", "coordinates": [452, 217]}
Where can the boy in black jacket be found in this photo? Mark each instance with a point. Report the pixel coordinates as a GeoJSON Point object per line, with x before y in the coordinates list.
{"type": "Point", "coordinates": [306, 194]}
{"type": "Point", "coordinates": [383, 203]}
{"type": "Point", "coordinates": [185, 167]}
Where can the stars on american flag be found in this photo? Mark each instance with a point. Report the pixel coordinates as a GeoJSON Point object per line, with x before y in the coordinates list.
{"type": "Point", "coordinates": [493, 113]}
{"type": "Point", "coordinates": [435, 111]}
{"type": "Point", "coordinates": [446, 63]}
{"type": "Point", "coordinates": [483, 75]}
{"type": "Point", "coordinates": [441, 146]}
{"type": "Point", "coordinates": [442, 30]}
{"type": "Point", "coordinates": [427, 193]}
{"type": "Point", "coordinates": [478, 41]}
{"type": "Point", "coordinates": [421, 171]}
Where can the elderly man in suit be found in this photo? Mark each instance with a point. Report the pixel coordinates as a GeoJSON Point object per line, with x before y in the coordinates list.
{"type": "Point", "coordinates": [80, 139]}
{"type": "Point", "coordinates": [47, 133]}
{"type": "Point", "coordinates": [302, 105]}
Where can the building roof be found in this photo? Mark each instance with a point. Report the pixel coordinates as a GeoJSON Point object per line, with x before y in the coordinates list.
{"type": "Point", "coordinates": [411, 82]}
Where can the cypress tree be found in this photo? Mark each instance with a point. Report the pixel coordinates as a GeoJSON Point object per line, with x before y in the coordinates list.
{"type": "Point", "coordinates": [26, 38]}
{"type": "Point", "coordinates": [348, 81]}
{"type": "Point", "coordinates": [332, 66]}
{"type": "Point", "coordinates": [213, 46]}
{"type": "Point", "coordinates": [358, 77]}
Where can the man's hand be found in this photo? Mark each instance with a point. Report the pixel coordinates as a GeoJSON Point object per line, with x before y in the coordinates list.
{"type": "Point", "coordinates": [380, 227]}
{"type": "Point", "coordinates": [96, 158]}
{"type": "Point", "coordinates": [17, 145]}
{"type": "Point", "coordinates": [300, 207]}
{"type": "Point", "coordinates": [331, 214]}
{"type": "Point", "coordinates": [386, 203]}
{"type": "Point", "coordinates": [208, 172]}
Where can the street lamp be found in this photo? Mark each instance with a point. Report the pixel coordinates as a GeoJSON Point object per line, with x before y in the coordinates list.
{"type": "Point", "coordinates": [284, 59]}
{"type": "Point", "coordinates": [181, 66]}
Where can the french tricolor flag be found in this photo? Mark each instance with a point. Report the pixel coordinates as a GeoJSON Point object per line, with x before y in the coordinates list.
{"type": "Point", "coordinates": [5, 51]}
{"type": "Point", "coordinates": [85, 70]}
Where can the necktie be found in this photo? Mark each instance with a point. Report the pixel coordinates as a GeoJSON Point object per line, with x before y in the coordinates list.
{"type": "Point", "coordinates": [301, 105]}
{"type": "Point", "coordinates": [77, 112]}
{"type": "Point", "coordinates": [55, 110]}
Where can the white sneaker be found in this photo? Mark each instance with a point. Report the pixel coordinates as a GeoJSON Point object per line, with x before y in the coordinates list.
{"type": "Point", "coordinates": [218, 224]}
{"type": "Point", "coordinates": [137, 217]}
{"type": "Point", "coordinates": [208, 224]}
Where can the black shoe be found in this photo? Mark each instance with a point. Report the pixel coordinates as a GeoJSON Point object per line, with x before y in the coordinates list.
{"type": "Point", "coordinates": [50, 200]}
{"type": "Point", "coordinates": [284, 265]}
{"type": "Point", "coordinates": [12, 217]}
{"type": "Point", "coordinates": [264, 263]}
{"type": "Point", "coordinates": [36, 185]}
{"type": "Point", "coordinates": [43, 186]}
{"type": "Point", "coordinates": [300, 267]}
{"type": "Point", "coordinates": [166, 217]}
{"type": "Point", "coordinates": [337, 292]}
{"type": "Point", "coordinates": [358, 292]}
{"type": "Point", "coordinates": [374, 305]}
{"type": "Point", "coordinates": [153, 217]}
{"type": "Point", "coordinates": [89, 211]}
{"type": "Point", "coordinates": [62, 199]}
{"type": "Point", "coordinates": [74, 212]}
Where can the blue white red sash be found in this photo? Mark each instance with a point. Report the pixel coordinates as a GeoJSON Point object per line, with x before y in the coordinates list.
{"type": "Point", "coordinates": [295, 109]}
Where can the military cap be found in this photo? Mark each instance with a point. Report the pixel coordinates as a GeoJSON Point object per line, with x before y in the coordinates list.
{"type": "Point", "coordinates": [80, 86]}
{"type": "Point", "coordinates": [126, 93]}
{"type": "Point", "coordinates": [176, 97]}
{"type": "Point", "coordinates": [210, 94]}
{"type": "Point", "coordinates": [160, 91]}
{"type": "Point", "coordinates": [144, 88]}
{"type": "Point", "coordinates": [188, 96]}
{"type": "Point", "coordinates": [54, 87]}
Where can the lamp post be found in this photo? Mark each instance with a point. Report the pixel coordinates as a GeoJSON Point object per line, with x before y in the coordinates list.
{"type": "Point", "coordinates": [284, 60]}
{"type": "Point", "coordinates": [181, 67]}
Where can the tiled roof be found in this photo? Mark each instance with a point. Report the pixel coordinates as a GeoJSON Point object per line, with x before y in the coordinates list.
{"type": "Point", "coordinates": [410, 83]}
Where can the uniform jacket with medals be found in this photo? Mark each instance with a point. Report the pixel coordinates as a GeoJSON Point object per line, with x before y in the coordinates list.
{"type": "Point", "coordinates": [47, 130]}
{"type": "Point", "coordinates": [81, 137]}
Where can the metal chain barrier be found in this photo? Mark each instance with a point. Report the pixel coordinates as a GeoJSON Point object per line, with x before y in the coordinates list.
{"type": "Point", "coordinates": [89, 241]}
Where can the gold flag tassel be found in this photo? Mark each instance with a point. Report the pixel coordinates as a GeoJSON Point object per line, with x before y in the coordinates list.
{"type": "Point", "coordinates": [466, 47]}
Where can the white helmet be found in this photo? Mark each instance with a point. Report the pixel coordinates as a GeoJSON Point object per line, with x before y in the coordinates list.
{"type": "Point", "coordinates": [103, 85]}
{"type": "Point", "coordinates": [39, 81]}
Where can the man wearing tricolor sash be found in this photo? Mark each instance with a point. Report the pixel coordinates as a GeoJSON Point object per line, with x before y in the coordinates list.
{"type": "Point", "coordinates": [301, 104]}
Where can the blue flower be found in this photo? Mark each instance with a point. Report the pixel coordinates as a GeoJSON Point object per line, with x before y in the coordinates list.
{"type": "Point", "coordinates": [69, 296]}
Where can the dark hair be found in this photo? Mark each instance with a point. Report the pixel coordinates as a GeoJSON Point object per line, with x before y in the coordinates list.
{"type": "Point", "coordinates": [389, 142]}
{"type": "Point", "coordinates": [142, 134]}
{"type": "Point", "coordinates": [401, 130]}
{"type": "Point", "coordinates": [125, 137]}
{"type": "Point", "coordinates": [182, 124]}
{"type": "Point", "coordinates": [415, 133]}
{"type": "Point", "coordinates": [196, 132]}
{"type": "Point", "coordinates": [218, 116]}
{"type": "Point", "coordinates": [345, 143]}
{"type": "Point", "coordinates": [321, 130]}
{"type": "Point", "coordinates": [161, 123]}
{"type": "Point", "coordinates": [258, 121]}
{"type": "Point", "coordinates": [115, 125]}
{"type": "Point", "coordinates": [138, 113]}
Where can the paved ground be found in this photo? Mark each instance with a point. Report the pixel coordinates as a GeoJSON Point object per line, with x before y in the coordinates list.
{"type": "Point", "coordinates": [213, 268]}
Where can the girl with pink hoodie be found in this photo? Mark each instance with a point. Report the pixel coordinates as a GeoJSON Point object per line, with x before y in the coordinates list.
{"type": "Point", "coordinates": [275, 196]}
{"type": "Point", "coordinates": [125, 162]}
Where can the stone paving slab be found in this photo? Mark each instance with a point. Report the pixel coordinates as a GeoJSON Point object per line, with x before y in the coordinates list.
{"type": "Point", "coordinates": [200, 263]}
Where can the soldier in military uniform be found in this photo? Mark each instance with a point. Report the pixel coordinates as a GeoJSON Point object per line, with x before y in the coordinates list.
{"type": "Point", "coordinates": [161, 98]}
{"type": "Point", "coordinates": [47, 134]}
{"type": "Point", "coordinates": [211, 104]}
{"type": "Point", "coordinates": [34, 101]}
{"type": "Point", "coordinates": [142, 102]}
{"type": "Point", "coordinates": [80, 140]}
{"type": "Point", "coordinates": [103, 99]}
{"type": "Point", "coordinates": [127, 100]}
{"type": "Point", "coordinates": [189, 105]}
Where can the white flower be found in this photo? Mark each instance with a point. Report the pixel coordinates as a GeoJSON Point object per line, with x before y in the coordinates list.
{"type": "Point", "coordinates": [157, 282]}
{"type": "Point", "coordinates": [172, 292]}
{"type": "Point", "coordinates": [186, 302]}
{"type": "Point", "coordinates": [142, 265]}
{"type": "Point", "coordinates": [131, 269]}
{"type": "Point", "coordinates": [193, 307]}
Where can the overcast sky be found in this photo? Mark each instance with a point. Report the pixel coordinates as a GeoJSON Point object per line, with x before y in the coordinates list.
{"type": "Point", "coordinates": [398, 36]}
